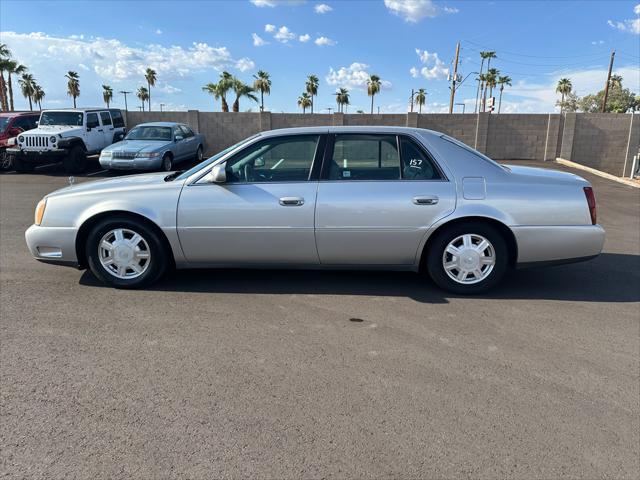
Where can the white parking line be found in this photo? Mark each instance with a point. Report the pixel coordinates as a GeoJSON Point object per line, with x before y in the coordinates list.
{"type": "Point", "coordinates": [96, 173]}
{"type": "Point", "coordinates": [46, 165]}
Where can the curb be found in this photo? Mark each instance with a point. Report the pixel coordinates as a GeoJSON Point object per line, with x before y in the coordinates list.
{"type": "Point", "coordinates": [624, 181]}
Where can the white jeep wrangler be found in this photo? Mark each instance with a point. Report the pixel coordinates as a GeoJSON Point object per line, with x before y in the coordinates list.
{"type": "Point", "coordinates": [69, 136]}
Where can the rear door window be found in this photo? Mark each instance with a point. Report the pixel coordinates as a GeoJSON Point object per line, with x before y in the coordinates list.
{"type": "Point", "coordinates": [106, 118]}
{"type": "Point", "coordinates": [416, 163]}
{"type": "Point", "coordinates": [365, 157]}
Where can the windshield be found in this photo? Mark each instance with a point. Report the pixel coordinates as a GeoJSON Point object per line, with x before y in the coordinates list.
{"type": "Point", "coordinates": [62, 118]}
{"type": "Point", "coordinates": [4, 121]}
{"type": "Point", "coordinates": [217, 156]}
{"type": "Point", "coordinates": [150, 133]}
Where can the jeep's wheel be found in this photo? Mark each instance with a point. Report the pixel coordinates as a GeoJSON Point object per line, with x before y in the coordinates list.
{"type": "Point", "coordinates": [19, 165]}
{"type": "Point", "coordinates": [167, 163]}
{"type": "Point", "coordinates": [75, 161]}
{"type": "Point", "coordinates": [6, 160]}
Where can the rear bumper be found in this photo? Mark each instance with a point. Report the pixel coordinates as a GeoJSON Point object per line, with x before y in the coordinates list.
{"type": "Point", "coordinates": [540, 245]}
{"type": "Point", "coordinates": [53, 244]}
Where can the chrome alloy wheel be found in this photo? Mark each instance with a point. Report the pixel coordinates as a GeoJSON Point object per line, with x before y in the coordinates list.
{"type": "Point", "coordinates": [469, 259]}
{"type": "Point", "coordinates": [124, 253]}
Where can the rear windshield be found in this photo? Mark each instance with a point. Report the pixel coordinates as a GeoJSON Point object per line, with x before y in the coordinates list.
{"type": "Point", "coordinates": [150, 133]}
{"type": "Point", "coordinates": [62, 118]}
{"type": "Point", "coordinates": [473, 151]}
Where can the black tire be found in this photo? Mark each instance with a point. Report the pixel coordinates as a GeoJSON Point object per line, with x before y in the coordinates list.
{"type": "Point", "coordinates": [158, 260]}
{"type": "Point", "coordinates": [6, 160]}
{"type": "Point", "coordinates": [199, 154]}
{"type": "Point", "coordinates": [435, 258]}
{"type": "Point", "coordinates": [167, 163]}
{"type": "Point", "coordinates": [76, 160]}
{"type": "Point", "coordinates": [19, 165]}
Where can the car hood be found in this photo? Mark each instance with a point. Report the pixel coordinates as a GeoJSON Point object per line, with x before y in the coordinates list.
{"type": "Point", "coordinates": [127, 182]}
{"type": "Point", "coordinates": [136, 146]}
{"type": "Point", "coordinates": [552, 175]}
{"type": "Point", "coordinates": [63, 130]}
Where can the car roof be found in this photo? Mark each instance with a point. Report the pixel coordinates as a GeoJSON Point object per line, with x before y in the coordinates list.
{"type": "Point", "coordinates": [19, 114]}
{"type": "Point", "coordinates": [159, 124]}
{"type": "Point", "coordinates": [351, 129]}
{"type": "Point", "coordinates": [86, 109]}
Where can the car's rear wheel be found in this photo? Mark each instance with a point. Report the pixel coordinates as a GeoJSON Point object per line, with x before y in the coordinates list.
{"type": "Point", "coordinates": [125, 253]}
{"type": "Point", "coordinates": [76, 160]}
{"type": "Point", "coordinates": [19, 165]}
{"type": "Point", "coordinates": [467, 258]}
{"type": "Point", "coordinates": [167, 163]}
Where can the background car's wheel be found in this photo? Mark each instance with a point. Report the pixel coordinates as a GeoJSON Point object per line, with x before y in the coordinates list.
{"type": "Point", "coordinates": [6, 160]}
{"type": "Point", "coordinates": [125, 254]}
{"type": "Point", "coordinates": [167, 162]}
{"type": "Point", "coordinates": [76, 160]}
{"type": "Point", "coordinates": [199, 154]}
{"type": "Point", "coordinates": [467, 258]}
{"type": "Point", "coordinates": [19, 165]}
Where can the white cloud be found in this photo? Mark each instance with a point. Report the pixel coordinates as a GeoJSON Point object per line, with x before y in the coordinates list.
{"type": "Point", "coordinates": [275, 3]}
{"type": "Point", "coordinates": [269, 28]}
{"type": "Point", "coordinates": [353, 76]}
{"type": "Point", "coordinates": [113, 60]}
{"type": "Point", "coordinates": [631, 25]}
{"type": "Point", "coordinates": [257, 40]}
{"type": "Point", "coordinates": [304, 38]}
{"type": "Point", "coordinates": [415, 10]}
{"type": "Point", "coordinates": [433, 69]}
{"type": "Point", "coordinates": [324, 41]}
{"type": "Point", "coordinates": [597, 42]}
{"type": "Point", "coordinates": [245, 64]}
{"type": "Point", "coordinates": [158, 32]}
{"type": "Point", "coordinates": [322, 8]}
{"type": "Point", "coordinates": [283, 35]}
{"type": "Point", "coordinates": [84, 67]}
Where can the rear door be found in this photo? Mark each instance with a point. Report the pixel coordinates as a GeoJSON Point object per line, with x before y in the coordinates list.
{"type": "Point", "coordinates": [264, 212]}
{"type": "Point", "coordinates": [107, 129]}
{"type": "Point", "coordinates": [377, 197]}
{"type": "Point", "coordinates": [190, 141]}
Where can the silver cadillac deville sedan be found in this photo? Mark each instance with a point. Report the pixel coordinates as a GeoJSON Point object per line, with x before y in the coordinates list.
{"type": "Point", "coordinates": [325, 197]}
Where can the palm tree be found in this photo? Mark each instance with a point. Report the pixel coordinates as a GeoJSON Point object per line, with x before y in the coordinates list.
{"type": "Point", "coordinates": [488, 55]}
{"type": "Point", "coordinates": [27, 84]}
{"type": "Point", "coordinates": [564, 88]}
{"type": "Point", "coordinates": [491, 81]}
{"type": "Point", "coordinates": [262, 84]}
{"type": "Point", "coordinates": [615, 82]}
{"type": "Point", "coordinates": [5, 55]}
{"type": "Point", "coordinates": [150, 77]}
{"type": "Point", "coordinates": [483, 56]}
{"type": "Point", "coordinates": [342, 98]}
{"type": "Point", "coordinates": [213, 89]}
{"type": "Point", "coordinates": [143, 95]}
{"type": "Point", "coordinates": [502, 81]}
{"type": "Point", "coordinates": [373, 87]}
{"type": "Point", "coordinates": [312, 87]}
{"type": "Point", "coordinates": [73, 85]}
{"type": "Point", "coordinates": [16, 69]}
{"type": "Point", "coordinates": [421, 99]}
{"type": "Point", "coordinates": [224, 85]}
{"type": "Point", "coordinates": [241, 89]}
{"type": "Point", "coordinates": [482, 80]}
{"type": "Point", "coordinates": [107, 94]}
{"type": "Point", "coordinates": [38, 95]}
{"type": "Point", "coordinates": [304, 101]}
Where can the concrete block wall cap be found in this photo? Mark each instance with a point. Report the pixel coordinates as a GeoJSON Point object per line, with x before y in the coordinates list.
{"type": "Point", "coordinates": [624, 181]}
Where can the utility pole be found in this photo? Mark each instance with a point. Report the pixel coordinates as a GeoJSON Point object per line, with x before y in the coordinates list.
{"type": "Point", "coordinates": [161, 105]}
{"type": "Point", "coordinates": [606, 87]}
{"type": "Point", "coordinates": [125, 99]}
{"type": "Point", "coordinates": [412, 93]}
{"type": "Point", "coordinates": [455, 76]}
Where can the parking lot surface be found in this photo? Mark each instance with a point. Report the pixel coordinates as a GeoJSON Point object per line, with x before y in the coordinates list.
{"type": "Point", "coordinates": [279, 374]}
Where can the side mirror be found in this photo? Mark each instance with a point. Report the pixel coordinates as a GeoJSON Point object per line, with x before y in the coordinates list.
{"type": "Point", "coordinates": [259, 162]}
{"type": "Point", "coordinates": [88, 128]}
{"type": "Point", "coordinates": [37, 122]}
{"type": "Point", "coordinates": [179, 137]}
{"type": "Point", "coordinates": [119, 136]}
{"type": "Point", "coordinates": [217, 174]}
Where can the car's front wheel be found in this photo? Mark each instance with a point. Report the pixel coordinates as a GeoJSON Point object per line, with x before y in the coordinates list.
{"type": "Point", "coordinates": [199, 154]}
{"type": "Point", "coordinates": [468, 258]}
{"type": "Point", "coordinates": [167, 162]}
{"type": "Point", "coordinates": [125, 254]}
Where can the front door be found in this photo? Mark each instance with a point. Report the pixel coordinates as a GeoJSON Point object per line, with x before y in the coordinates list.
{"type": "Point", "coordinates": [94, 135]}
{"type": "Point", "coordinates": [263, 214]}
{"type": "Point", "coordinates": [378, 196]}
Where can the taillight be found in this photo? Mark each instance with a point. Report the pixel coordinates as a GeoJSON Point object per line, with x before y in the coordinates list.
{"type": "Point", "coordinates": [591, 201]}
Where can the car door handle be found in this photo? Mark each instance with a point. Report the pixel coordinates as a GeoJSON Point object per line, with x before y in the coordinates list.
{"type": "Point", "coordinates": [99, 129]}
{"type": "Point", "coordinates": [425, 200]}
{"type": "Point", "coordinates": [291, 201]}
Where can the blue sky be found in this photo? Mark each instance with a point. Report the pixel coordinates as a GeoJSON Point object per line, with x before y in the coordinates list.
{"type": "Point", "coordinates": [408, 43]}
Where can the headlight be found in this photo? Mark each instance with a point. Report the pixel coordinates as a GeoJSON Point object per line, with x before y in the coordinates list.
{"type": "Point", "coordinates": [40, 211]}
{"type": "Point", "coordinates": [106, 153]}
{"type": "Point", "coordinates": [147, 154]}
{"type": "Point", "coordinates": [52, 139]}
{"type": "Point", "coordinates": [21, 139]}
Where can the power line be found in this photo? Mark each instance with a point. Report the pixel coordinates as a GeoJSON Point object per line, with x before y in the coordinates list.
{"type": "Point", "coordinates": [532, 56]}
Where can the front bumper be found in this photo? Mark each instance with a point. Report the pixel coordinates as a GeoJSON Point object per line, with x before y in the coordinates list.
{"type": "Point", "coordinates": [111, 163]}
{"type": "Point", "coordinates": [53, 244]}
{"type": "Point", "coordinates": [37, 156]}
{"type": "Point", "coordinates": [557, 244]}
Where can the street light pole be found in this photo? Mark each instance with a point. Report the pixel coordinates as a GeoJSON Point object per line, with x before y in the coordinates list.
{"type": "Point", "coordinates": [455, 77]}
{"type": "Point", "coordinates": [161, 105]}
{"type": "Point", "coordinates": [125, 99]}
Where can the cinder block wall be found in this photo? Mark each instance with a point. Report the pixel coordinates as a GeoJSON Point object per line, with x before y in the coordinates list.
{"type": "Point", "coordinates": [602, 141]}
